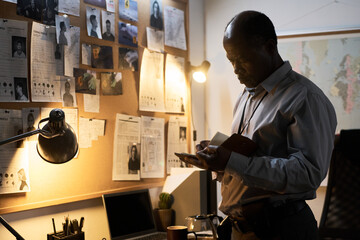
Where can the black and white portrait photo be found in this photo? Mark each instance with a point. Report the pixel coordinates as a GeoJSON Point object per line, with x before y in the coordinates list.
{"type": "Point", "coordinates": [134, 158]}
{"type": "Point", "coordinates": [68, 91]}
{"type": "Point", "coordinates": [156, 19]}
{"type": "Point", "coordinates": [108, 27]}
{"type": "Point", "coordinates": [93, 22]}
{"type": "Point", "coordinates": [18, 47]}
{"type": "Point", "coordinates": [62, 25]}
{"type": "Point", "coordinates": [21, 89]}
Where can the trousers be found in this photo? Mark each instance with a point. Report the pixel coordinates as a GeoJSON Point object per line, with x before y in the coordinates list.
{"type": "Point", "coordinates": [293, 220]}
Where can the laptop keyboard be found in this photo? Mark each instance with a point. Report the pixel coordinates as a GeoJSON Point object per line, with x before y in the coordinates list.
{"type": "Point", "coordinates": [156, 236]}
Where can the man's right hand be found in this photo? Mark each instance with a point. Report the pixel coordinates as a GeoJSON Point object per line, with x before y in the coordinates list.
{"type": "Point", "coordinates": [203, 144]}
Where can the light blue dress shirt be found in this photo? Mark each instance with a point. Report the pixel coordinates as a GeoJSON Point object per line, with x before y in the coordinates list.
{"type": "Point", "coordinates": [294, 127]}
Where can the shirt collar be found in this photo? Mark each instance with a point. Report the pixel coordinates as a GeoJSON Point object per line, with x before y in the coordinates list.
{"type": "Point", "coordinates": [276, 77]}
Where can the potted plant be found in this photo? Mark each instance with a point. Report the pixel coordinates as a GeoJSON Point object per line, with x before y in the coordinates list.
{"type": "Point", "coordinates": [164, 215]}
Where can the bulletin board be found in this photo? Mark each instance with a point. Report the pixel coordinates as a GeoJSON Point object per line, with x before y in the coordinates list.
{"type": "Point", "coordinates": [90, 174]}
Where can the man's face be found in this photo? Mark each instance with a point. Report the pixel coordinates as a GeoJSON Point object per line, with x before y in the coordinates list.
{"type": "Point", "coordinates": [108, 27]}
{"type": "Point", "coordinates": [18, 47]}
{"type": "Point", "coordinates": [94, 24]}
{"type": "Point", "coordinates": [252, 64]}
{"type": "Point", "coordinates": [19, 89]}
{"type": "Point", "coordinates": [31, 120]}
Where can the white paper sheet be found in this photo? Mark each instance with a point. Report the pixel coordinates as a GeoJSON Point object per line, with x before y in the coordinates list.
{"type": "Point", "coordinates": [13, 61]}
{"type": "Point", "coordinates": [177, 141]}
{"type": "Point", "coordinates": [151, 96]}
{"type": "Point", "coordinates": [152, 147]}
{"type": "Point", "coordinates": [127, 134]}
{"type": "Point", "coordinates": [86, 54]}
{"type": "Point", "coordinates": [175, 84]}
{"type": "Point", "coordinates": [44, 87]}
{"type": "Point", "coordinates": [174, 28]}
{"type": "Point", "coordinates": [14, 170]}
{"type": "Point", "coordinates": [92, 102]}
{"type": "Point", "coordinates": [10, 126]}
{"type": "Point", "coordinates": [71, 7]}
{"type": "Point", "coordinates": [90, 130]}
{"type": "Point", "coordinates": [72, 51]}
{"type": "Point", "coordinates": [155, 40]}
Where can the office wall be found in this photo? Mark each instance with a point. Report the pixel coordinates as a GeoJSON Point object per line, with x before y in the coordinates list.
{"type": "Point", "coordinates": [289, 17]}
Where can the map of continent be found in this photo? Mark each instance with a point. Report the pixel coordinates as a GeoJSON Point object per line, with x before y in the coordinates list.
{"type": "Point", "coordinates": [333, 64]}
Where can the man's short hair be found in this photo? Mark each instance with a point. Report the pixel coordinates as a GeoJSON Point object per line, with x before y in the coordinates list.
{"type": "Point", "coordinates": [107, 21]}
{"type": "Point", "coordinates": [256, 27]}
{"type": "Point", "coordinates": [92, 18]}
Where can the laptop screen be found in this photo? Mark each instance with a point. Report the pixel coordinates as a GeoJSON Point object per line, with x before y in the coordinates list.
{"type": "Point", "coordinates": [129, 214]}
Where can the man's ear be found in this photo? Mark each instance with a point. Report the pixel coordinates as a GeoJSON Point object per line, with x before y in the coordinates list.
{"type": "Point", "coordinates": [271, 46]}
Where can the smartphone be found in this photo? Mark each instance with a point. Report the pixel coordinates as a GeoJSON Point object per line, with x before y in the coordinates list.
{"type": "Point", "coordinates": [183, 155]}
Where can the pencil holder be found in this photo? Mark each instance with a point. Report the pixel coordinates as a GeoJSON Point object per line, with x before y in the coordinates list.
{"type": "Point", "coordinates": [61, 236]}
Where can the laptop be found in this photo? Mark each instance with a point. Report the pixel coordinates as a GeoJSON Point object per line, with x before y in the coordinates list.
{"type": "Point", "coordinates": [130, 216]}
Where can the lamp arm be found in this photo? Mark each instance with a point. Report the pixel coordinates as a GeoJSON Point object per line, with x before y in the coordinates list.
{"type": "Point", "coordinates": [8, 227]}
{"type": "Point", "coordinates": [19, 137]}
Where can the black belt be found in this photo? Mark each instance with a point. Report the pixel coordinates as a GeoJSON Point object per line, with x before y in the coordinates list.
{"type": "Point", "coordinates": [265, 212]}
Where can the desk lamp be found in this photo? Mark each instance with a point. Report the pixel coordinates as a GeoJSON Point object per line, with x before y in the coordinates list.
{"type": "Point", "coordinates": [57, 143]}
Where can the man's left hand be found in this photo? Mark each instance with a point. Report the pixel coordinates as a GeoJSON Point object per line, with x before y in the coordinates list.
{"type": "Point", "coordinates": [212, 158]}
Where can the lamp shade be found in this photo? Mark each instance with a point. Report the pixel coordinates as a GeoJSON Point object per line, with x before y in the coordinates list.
{"type": "Point", "coordinates": [57, 142]}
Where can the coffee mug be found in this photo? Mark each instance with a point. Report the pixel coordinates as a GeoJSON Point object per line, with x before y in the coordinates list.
{"type": "Point", "coordinates": [178, 233]}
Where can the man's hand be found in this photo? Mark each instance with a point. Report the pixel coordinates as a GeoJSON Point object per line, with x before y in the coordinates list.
{"type": "Point", "coordinates": [210, 158]}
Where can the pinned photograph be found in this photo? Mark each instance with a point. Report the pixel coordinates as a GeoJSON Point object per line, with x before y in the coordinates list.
{"type": "Point", "coordinates": [93, 22]}
{"type": "Point", "coordinates": [108, 25]}
{"type": "Point", "coordinates": [21, 89]}
{"type": "Point", "coordinates": [18, 47]}
{"type": "Point", "coordinates": [67, 90]}
{"type": "Point", "coordinates": [31, 119]}
{"type": "Point", "coordinates": [134, 158]}
{"type": "Point", "coordinates": [99, 3]}
{"type": "Point", "coordinates": [86, 54]}
{"type": "Point", "coordinates": [128, 10]}
{"type": "Point", "coordinates": [85, 82]}
{"type": "Point", "coordinates": [62, 25]}
{"type": "Point", "coordinates": [111, 83]}
{"type": "Point", "coordinates": [49, 12]}
{"type": "Point", "coordinates": [128, 59]}
{"type": "Point", "coordinates": [31, 9]}
{"type": "Point", "coordinates": [156, 19]}
{"type": "Point", "coordinates": [102, 57]}
{"type": "Point", "coordinates": [128, 34]}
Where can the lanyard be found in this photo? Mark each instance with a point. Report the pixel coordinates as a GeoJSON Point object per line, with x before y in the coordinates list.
{"type": "Point", "coordinates": [240, 131]}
